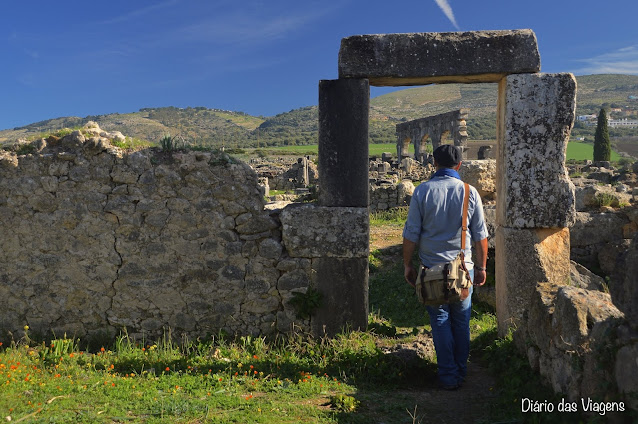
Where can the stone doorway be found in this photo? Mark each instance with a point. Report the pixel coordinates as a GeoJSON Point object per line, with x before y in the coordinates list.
{"type": "Point", "coordinates": [535, 200]}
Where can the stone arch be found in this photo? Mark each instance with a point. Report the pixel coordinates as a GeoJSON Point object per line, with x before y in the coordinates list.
{"type": "Point", "coordinates": [535, 196]}
{"type": "Point", "coordinates": [436, 128]}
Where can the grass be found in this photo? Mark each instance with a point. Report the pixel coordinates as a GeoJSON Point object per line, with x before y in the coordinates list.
{"type": "Point", "coordinates": [313, 149]}
{"type": "Point", "coordinates": [575, 150]}
{"type": "Point", "coordinates": [246, 380]}
{"type": "Point", "coordinates": [585, 151]}
{"type": "Point", "coordinates": [132, 143]}
{"type": "Point", "coordinates": [394, 217]}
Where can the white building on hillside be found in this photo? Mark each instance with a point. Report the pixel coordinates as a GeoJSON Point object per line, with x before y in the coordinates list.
{"type": "Point", "coordinates": [622, 123]}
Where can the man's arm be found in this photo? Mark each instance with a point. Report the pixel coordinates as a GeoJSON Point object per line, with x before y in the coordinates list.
{"type": "Point", "coordinates": [408, 269]}
{"type": "Point", "coordinates": [481, 261]}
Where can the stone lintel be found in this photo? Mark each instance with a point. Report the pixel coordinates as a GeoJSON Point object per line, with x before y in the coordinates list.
{"type": "Point", "coordinates": [311, 231]}
{"type": "Point", "coordinates": [343, 283]}
{"type": "Point", "coordinates": [455, 115]}
{"type": "Point", "coordinates": [536, 115]}
{"type": "Point", "coordinates": [525, 258]}
{"type": "Point", "coordinates": [446, 57]}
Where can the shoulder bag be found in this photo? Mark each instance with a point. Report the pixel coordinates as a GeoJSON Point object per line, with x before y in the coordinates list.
{"type": "Point", "coordinates": [444, 282]}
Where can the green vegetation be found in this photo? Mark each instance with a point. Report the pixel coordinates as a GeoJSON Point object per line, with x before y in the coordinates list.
{"type": "Point", "coordinates": [585, 151]}
{"type": "Point", "coordinates": [606, 199]}
{"type": "Point", "coordinates": [344, 403]}
{"type": "Point", "coordinates": [602, 146]}
{"type": "Point", "coordinates": [132, 143]}
{"type": "Point", "coordinates": [168, 143]}
{"type": "Point", "coordinates": [575, 150]}
{"type": "Point", "coordinates": [246, 380]}
{"type": "Point", "coordinates": [306, 304]}
{"type": "Point", "coordinates": [392, 217]}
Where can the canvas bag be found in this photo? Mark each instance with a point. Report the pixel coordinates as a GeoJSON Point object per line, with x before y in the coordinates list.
{"type": "Point", "coordinates": [444, 282]}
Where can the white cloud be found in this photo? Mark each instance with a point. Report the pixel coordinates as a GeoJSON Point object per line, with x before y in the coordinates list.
{"type": "Point", "coordinates": [447, 9]}
{"type": "Point", "coordinates": [621, 61]}
{"type": "Point", "coordinates": [140, 12]}
{"type": "Point", "coordinates": [242, 27]}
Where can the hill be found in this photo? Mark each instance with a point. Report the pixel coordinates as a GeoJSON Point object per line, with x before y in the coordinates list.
{"type": "Point", "coordinates": [216, 127]}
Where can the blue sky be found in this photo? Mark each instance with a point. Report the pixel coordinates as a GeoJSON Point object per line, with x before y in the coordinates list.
{"type": "Point", "coordinates": [79, 58]}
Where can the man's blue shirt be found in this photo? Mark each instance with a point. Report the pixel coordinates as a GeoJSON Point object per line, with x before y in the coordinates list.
{"type": "Point", "coordinates": [434, 219]}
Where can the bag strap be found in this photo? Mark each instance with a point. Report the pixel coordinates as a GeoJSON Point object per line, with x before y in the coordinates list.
{"type": "Point", "coordinates": [466, 201]}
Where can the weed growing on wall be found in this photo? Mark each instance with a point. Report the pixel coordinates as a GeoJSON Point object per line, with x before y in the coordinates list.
{"type": "Point", "coordinates": [606, 199]}
{"type": "Point", "coordinates": [307, 303]}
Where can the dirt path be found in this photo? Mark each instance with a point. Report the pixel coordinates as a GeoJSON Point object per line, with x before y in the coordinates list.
{"type": "Point", "coordinates": [469, 404]}
{"type": "Point", "coordinates": [385, 237]}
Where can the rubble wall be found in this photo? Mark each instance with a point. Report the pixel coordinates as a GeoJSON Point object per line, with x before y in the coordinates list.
{"type": "Point", "coordinates": [95, 239]}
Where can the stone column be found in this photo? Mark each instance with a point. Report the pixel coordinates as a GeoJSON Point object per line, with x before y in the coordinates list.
{"type": "Point", "coordinates": [343, 142]}
{"type": "Point", "coordinates": [535, 203]}
{"type": "Point", "coordinates": [435, 136]}
{"type": "Point", "coordinates": [460, 132]}
{"type": "Point", "coordinates": [342, 275]}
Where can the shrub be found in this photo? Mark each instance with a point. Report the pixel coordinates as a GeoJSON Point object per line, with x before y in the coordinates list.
{"type": "Point", "coordinates": [167, 143]}
{"type": "Point", "coordinates": [606, 199]}
{"type": "Point", "coordinates": [602, 145]}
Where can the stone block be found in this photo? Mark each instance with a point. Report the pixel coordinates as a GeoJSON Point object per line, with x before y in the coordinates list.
{"type": "Point", "coordinates": [568, 330]}
{"type": "Point", "coordinates": [593, 228]}
{"type": "Point", "coordinates": [535, 119]}
{"type": "Point", "coordinates": [425, 58]}
{"type": "Point", "coordinates": [525, 258]}
{"type": "Point", "coordinates": [594, 195]}
{"type": "Point", "coordinates": [343, 142]}
{"type": "Point", "coordinates": [541, 310]}
{"type": "Point", "coordinates": [577, 311]}
{"type": "Point", "coordinates": [485, 152]}
{"type": "Point", "coordinates": [344, 286]}
{"type": "Point", "coordinates": [489, 214]}
{"type": "Point", "coordinates": [623, 285]}
{"type": "Point", "coordinates": [585, 279]}
{"type": "Point", "coordinates": [482, 175]}
{"type": "Point", "coordinates": [310, 231]}
{"type": "Point", "coordinates": [626, 370]}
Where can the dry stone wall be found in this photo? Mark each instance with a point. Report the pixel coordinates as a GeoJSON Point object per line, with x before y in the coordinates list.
{"type": "Point", "coordinates": [95, 239]}
{"type": "Point", "coordinates": [388, 195]}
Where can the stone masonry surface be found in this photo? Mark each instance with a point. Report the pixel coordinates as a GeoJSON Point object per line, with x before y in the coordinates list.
{"type": "Point", "coordinates": [95, 239]}
{"type": "Point", "coordinates": [424, 58]}
{"type": "Point", "coordinates": [537, 116]}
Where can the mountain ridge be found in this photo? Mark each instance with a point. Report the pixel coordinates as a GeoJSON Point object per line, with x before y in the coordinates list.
{"type": "Point", "coordinates": [217, 127]}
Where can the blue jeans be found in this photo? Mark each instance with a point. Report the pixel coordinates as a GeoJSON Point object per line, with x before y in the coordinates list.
{"type": "Point", "coordinates": [451, 334]}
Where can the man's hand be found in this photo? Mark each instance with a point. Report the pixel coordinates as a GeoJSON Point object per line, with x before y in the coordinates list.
{"type": "Point", "coordinates": [464, 294]}
{"type": "Point", "coordinates": [409, 272]}
{"type": "Point", "coordinates": [479, 277]}
{"type": "Point", "coordinates": [410, 275]}
{"type": "Point", "coordinates": [481, 259]}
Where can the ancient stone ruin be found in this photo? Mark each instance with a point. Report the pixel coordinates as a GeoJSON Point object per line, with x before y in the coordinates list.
{"type": "Point", "coordinates": [434, 128]}
{"type": "Point", "coordinates": [96, 239]}
{"type": "Point", "coordinates": [535, 203]}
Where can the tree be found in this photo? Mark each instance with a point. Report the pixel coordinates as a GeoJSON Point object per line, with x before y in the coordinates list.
{"type": "Point", "coordinates": [602, 145]}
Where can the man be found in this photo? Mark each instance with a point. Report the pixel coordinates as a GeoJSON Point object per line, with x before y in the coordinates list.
{"type": "Point", "coordinates": [434, 224]}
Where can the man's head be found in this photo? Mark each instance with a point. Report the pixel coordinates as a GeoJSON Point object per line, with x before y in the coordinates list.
{"type": "Point", "coordinates": [447, 156]}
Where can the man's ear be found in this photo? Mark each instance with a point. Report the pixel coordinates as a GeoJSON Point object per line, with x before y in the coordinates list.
{"type": "Point", "coordinates": [458, 166]}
